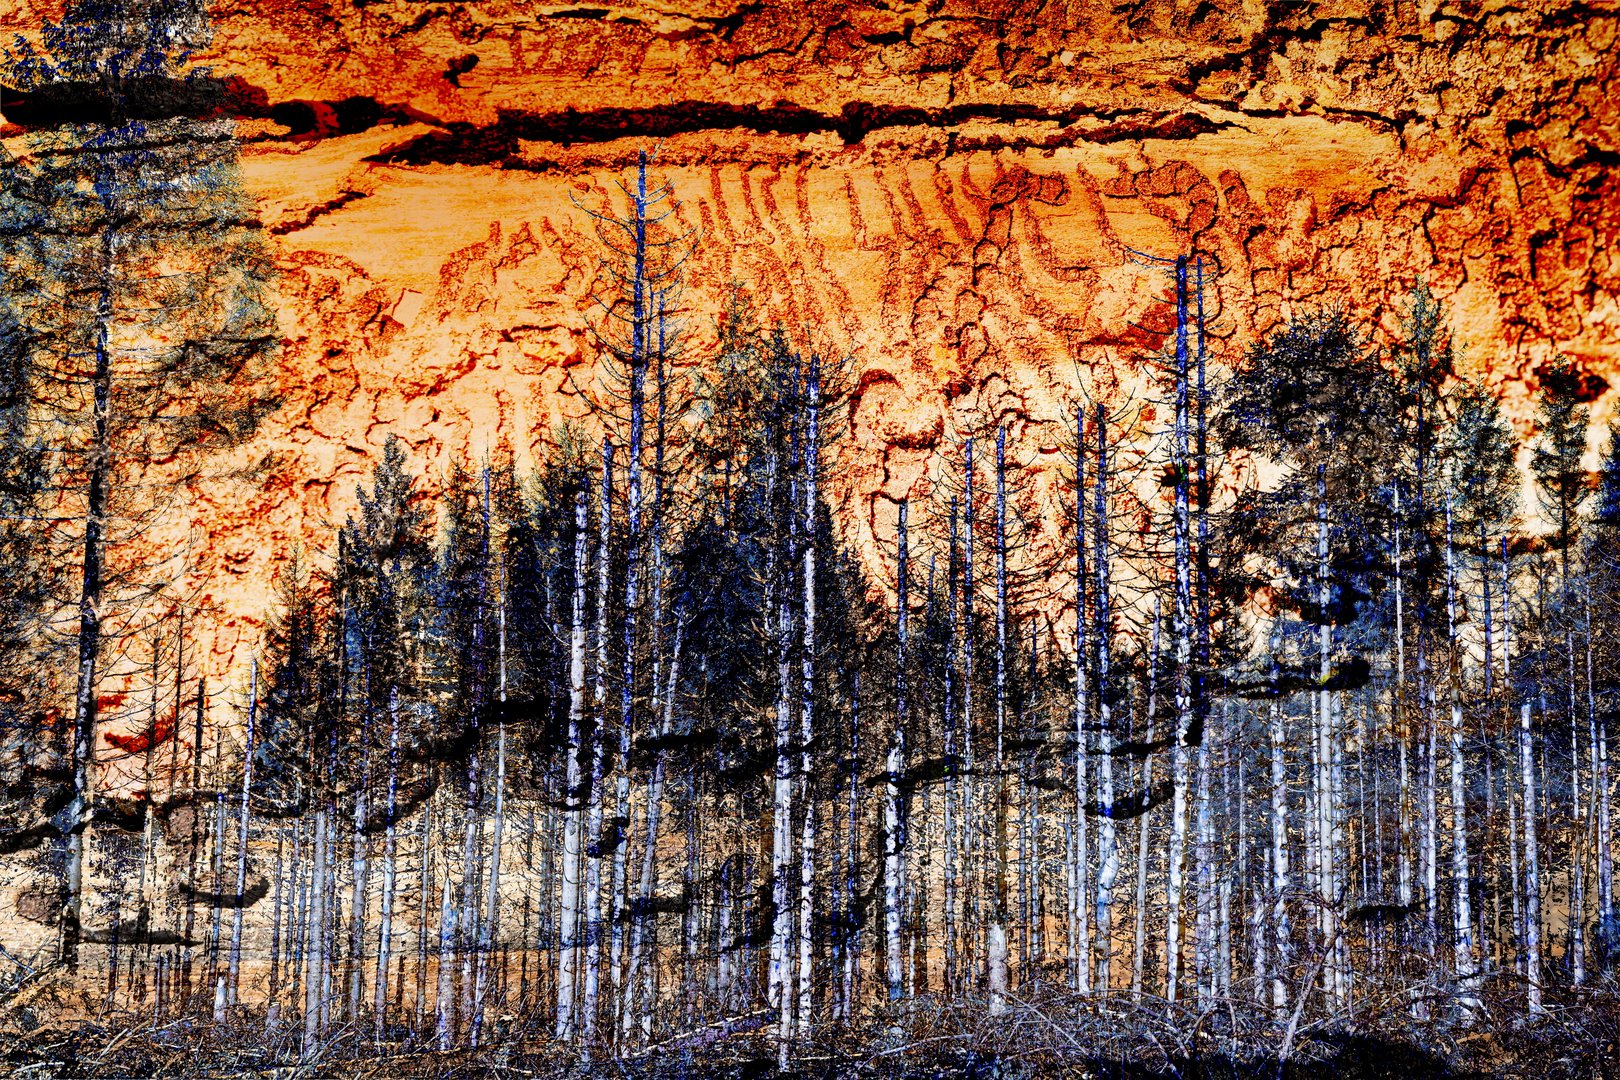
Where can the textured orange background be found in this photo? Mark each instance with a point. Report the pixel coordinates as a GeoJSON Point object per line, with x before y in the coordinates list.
{"type": "Point", "coordinates": [945, 190]}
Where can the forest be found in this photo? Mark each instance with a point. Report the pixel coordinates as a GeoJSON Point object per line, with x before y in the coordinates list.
{"type": "Point", "coordinates": [1271, 729]}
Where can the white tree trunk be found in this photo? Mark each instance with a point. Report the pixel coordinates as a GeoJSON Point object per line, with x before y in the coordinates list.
{"type": "Point", "coordinates": [314, 951]}
{"type": "Point", "coordinates": [893, 822]}
{"type": "Point", "coordinates": [781, 981]}
{"type": "Point", "coordinates": [1182, 527]}
{"type": "Point", "coordinates": [1081, 962]}
{"type": "Point", "coordinates": [1532, 867]}
{"type": "Point", "coordinates": [807, 693]}
{"type": "Point", "coordinates": [569, 918]}
{"type": "Point", "coordinates": [1281, 933]}
{"type": "Point", "coordinates": [593, 899]}
{"type": "Point", "coordinates": [641, 1013]}
{"type": "Point", "coordinates": [445, 1002]}
{"type": "Point", "coordinates": [1465, 964]}
{"type": "Point", "coordinates": [1107, 848]}
{"type": "Point", "coordinates": [999, 915]}
{"type": "Point", "coordinates": [234, 970]}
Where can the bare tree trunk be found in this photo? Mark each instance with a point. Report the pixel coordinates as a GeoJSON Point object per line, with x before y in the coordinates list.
{"type": "Point", "coordinates": [92, 573]}
{"type": "Point", "coordinates": [953, 781]}
{"type": "Point", "coordinates": [1080, 963]}
{"type": "Point", "coordinates": [972, 828]}
{"type": "Point", "coordinates": [1186, 732]}
{"type": "Point", "coordinates": [424, 894]}
{"type": "Point", "coordinates": [593, 871]}
{"type": "Point", "coordinates": [148, 855]}
{"type": "Point", "coordinates": [1577, 856]}
{"type": "Point", "coordinates": [1204, 881]}
{"type": "Point", "coordinates": [998, 909]}
{"type": "Point", "coordinates": [1599, 759]}
{"type": "Point", "coordinates": [279, 908]}
{"type": "Point", "coordinates": [359, 843]}
{"type": "Point", "coordinates": [332, 911]}
{"type": "Point", "coordinates": [1399, 713]}
{"type": "Point", "coordinates": [778, 607]}
{"type": "Point", "coordinates": [692, 1003]}
{"type": "Point", "coordinates": [642, 912]}
{"type": "Point", "coordinates": [807, 692]}
{"type": "Point", "coordinates": [1532, 867]}
{"type": "Point", "coordinates": [893, 812]}
{"type": "Point", "coordinates": [216, 913]}
{"type": "Point", "coordinates": [1431, 821]}
{"type": "Point", "coordinates": [385, 916]}
{"type": "Point", "coordinates": [234, 969]}
{"type": "Point", "coordinates": [1107, 850]}
{"type": "Point", "coordinates": [1464, 962]}
{"type": "Point", "coordinates": [852, 859]}
{"type": "Point", "coordinates": [445, 1003]}
{"type": "Point", "coordinates": [489, 928]}
{"type": "Point", "coordinates": [1139, 950]}
{"type": "Point", "coordinates": [1280, 930]}
{"type": "Point", "coordinates": [1330, 770]}
{"type": "Point", "coordinates": [316, 942]}
{"type": "Point", "coordinates": [568, 959]}
{"type": "Point", "coordinates": [640, 350]}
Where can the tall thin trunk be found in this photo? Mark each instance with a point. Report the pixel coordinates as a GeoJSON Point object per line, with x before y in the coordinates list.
{"type": "Point", "coordinates": [315, 948]}
{"type": "Point", "coordinates": [972, 829]}
{"type": "Point", "coordinates": [852, 858]}
{"type": "Point", "coordinates": [385, 916]}
{"type": "Point", "coordinates": [148, 856]}
{"type": "Point", "coordinates": [953, 778]}
{"type": "Point", "coordinates": [638, 363]}
{"type": "Point", "coordinates": [1081, 961]}
{"type": "Point", "coordinates": [1186, 733]}
{"type": "Point", "coordinates": [1150, 711]}
{"type": "Point", "coordinates": [1329, 772]}
{"type": "Point", "coordinates": [424, 894]}
{"type": "Point", "coordinates": [1107, 850]}
{"type": "Point", "coordinates": [1281, 933]}
{"type": "Point", "coordinates": [234, 969]}
{"type": "Point", "coordinates": [779, 609]}
{"type": "Point", "coordinates": [807, 693]}
{"type": "Point", "coordinates": [1577, 856]}
{"type": "Point", "coordinates": [998, 908]}
{"type": "Point", "coordinates": [642, 912]}
{"type": "Point", "coordinates": [444, 1005]}
{"type": "Point", "coordinates": [216, 911]}
{"type": "Point", "coordinates": [298, 914]}
{"type": "Point", "coordinates": [1599, 760]}
{"type": "Point", "coordinates": [1399, 710]}
{"type": "Point", "coordinates": [488, 927]}
{"type": "Point", "coordinates": [593, 867]}
{"type": "Point", "coordinates": [568, 958]}
{"type": "Point", "coordinates": [1464, 962]}
{"type": "Point", "coordinates": [360, 844]}
{"type": "Point", "coordinates": [469, 929]}
{"type": "Point", "coordinates": [1208, 916]}
{"type": "Point", "coordinates": [91, 583]}
{"type": "Point", "coordinates": [893, 811]}
{"type": "Point", "coordinates": [279, 907]}
{"type": "Point", "coordinates": [1532, 867]}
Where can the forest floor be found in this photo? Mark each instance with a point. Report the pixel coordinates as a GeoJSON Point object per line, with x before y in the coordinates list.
{"type": "Point", "coordinates": [1049, 1036]}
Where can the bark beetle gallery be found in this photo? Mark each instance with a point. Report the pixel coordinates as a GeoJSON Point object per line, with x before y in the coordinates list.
{"type": "Point", "coordinates": [1253, 712]}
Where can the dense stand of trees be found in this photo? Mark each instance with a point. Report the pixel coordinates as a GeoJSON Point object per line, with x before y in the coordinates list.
{"type": "Point", "coordinates": [1278, 705]}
